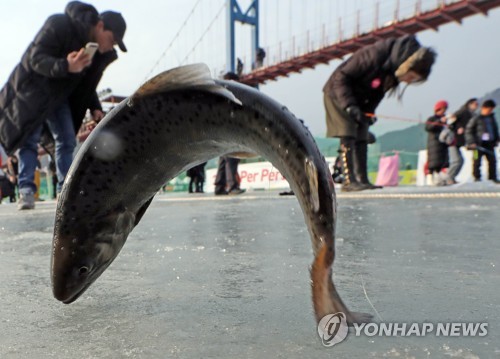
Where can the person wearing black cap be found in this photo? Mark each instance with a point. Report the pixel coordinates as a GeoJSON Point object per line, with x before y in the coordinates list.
{"type": "Point", "coordinates": [54, 85]}
{"type": "Point", "coordinates": [481, 136]}
{"type": "Point", "coordinates": [356, 88]}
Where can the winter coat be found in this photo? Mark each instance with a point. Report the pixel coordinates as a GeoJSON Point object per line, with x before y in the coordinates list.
{"type": "Point", "coordinates": [41, 81]}
{"type": "Point", "coordinates": [475, 129]}
{"type": "Point", "coordinates": [364, 79]}
{"type": "Point", "coordinates": [463, 116]}
{"type": "Point", "coordinates": [437, 152]}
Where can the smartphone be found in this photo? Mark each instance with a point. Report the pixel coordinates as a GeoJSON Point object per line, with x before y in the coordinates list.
{"type": "Point", "coordinates": [91, 48]}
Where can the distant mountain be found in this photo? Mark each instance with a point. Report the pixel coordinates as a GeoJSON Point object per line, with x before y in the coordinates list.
{"type": "Point", "coordinates": [493, 95]}
{"type": "Point", "coordinates": [410, 139]}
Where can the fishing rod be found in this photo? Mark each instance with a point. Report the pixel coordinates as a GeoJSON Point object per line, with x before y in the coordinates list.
{"type": "Point", "coordinates": [404, 119]}
{"type": "Point", "coordinates": [485, 150]}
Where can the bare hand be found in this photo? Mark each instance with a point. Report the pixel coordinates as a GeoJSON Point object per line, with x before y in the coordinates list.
{"type": "Point", "coordinates": [90, 125]}
{"type": "Point", "coordinates": [460, 130]}
{"type": "Point", "coordinates": [97, 115]}
{"type": "Point", "coordinates": [78, 61]}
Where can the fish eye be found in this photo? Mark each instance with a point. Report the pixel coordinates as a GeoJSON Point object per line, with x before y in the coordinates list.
{"type": "Point", "coordinates": [83, 270]}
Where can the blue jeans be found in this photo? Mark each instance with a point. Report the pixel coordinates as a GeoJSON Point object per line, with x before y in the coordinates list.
{"type": "Point", "coordinates": [61, 126]}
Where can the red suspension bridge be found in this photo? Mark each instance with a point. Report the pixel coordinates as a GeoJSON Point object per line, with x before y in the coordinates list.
{"type": "Point", "coordinates": [300, 34]}
{"type": "Point", "coordinates": [420, 21]}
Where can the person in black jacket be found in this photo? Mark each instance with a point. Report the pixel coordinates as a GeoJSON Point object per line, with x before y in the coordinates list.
{"type": "Point", "coordinates": [197, 178]}
{"type": "Point", "coordinates": [227, 178]}
{"type": "Point", "coordinates": [461, 118]}
{"type": "Point", "coordinates": [55, 83]}
{"type": "Point", "coordinates": [437, 151]}
{"type": "Point", "coordinates": [481, 135]}
{"type": "Point", "coordinates": [356, 88]}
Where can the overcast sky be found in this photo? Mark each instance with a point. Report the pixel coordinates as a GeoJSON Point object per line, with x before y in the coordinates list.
{"type": "Point", "coordinates": [467, 64]}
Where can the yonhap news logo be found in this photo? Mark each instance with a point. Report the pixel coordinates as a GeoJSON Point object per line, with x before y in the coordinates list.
{"type": "Point", "coordinates": [333, 329]}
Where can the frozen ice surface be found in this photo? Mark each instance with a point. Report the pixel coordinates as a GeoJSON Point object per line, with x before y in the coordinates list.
{"type": "Point", "coordinates": [229, 278]}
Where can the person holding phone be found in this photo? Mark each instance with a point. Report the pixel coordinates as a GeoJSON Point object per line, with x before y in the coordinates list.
{"type": "Point", "coordinates": [54, 84]}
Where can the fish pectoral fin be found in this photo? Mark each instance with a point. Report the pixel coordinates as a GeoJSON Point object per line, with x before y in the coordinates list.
{"type": "Point", "coordinates": [141, 211]}
{"type": "Point", "coordinates": [194, 76]}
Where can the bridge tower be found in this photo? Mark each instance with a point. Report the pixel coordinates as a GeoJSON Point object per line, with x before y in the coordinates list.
{"type": "Point", "coordinates": [249, 17]}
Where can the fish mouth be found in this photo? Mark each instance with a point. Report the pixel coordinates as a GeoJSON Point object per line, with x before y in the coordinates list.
{"type": "Point", "coordinates": [74, 295]}
{"type": "Point", "coordinates": [69, 293]}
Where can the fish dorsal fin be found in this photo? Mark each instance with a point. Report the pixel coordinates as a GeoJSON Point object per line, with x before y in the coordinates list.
{"type": "Point", "coordinates": [195, 76]}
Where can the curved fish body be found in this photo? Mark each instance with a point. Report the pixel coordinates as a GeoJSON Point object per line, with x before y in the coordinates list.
{"type": "Point", "coordinates": [176, 120]}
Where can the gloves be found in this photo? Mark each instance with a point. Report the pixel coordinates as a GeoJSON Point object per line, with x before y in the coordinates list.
{"type": "Point", "coordinates": [355, 113]}
{"type": "Point", "coordinates": [372, 120]}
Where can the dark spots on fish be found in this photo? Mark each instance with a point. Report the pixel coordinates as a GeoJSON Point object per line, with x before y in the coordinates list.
{"type": "Point", "coordinates": [96, 172]}
{"type": "Point", "coordinates": [176, 102]}
{"type": "Point", "coordinates": [158, 105]}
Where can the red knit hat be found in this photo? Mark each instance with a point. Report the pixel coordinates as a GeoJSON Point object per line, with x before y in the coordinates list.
{"type": "Point", "coordinates": [440, 105]}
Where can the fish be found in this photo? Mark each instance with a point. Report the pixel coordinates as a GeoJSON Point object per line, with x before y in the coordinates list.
{"type": "Point", "coordinates": [178, 119]}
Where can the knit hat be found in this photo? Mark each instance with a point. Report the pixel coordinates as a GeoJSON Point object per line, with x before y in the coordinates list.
{"type": "Point", "coordinates": [489, 104]}
{"type": "Point", "coordinates": [440, 105]}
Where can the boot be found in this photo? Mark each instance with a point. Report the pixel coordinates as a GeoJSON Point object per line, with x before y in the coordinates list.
{"type": "Point", "coordinates": [350, 183]}
{"type": "Point", "coordinates": [361, 165]}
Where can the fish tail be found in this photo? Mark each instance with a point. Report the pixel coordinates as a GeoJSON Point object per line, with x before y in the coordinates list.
{"type": "Point", "coordinates": [326, 300]}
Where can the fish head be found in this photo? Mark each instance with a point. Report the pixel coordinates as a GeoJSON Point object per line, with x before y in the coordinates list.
{"type": "Point", "coordinates": [83, 249]}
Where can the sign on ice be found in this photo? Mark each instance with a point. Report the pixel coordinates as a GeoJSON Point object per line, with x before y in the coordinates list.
{"type": "Point", "coordinates": [259, 175]}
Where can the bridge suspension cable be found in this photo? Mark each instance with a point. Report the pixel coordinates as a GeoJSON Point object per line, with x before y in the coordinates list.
{"type": "Point", "coordinates": [172, 42]}
{"type": "Point", "coordinates": [210, 25]}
